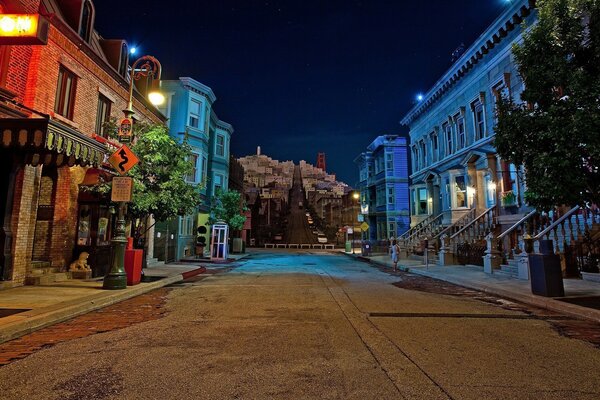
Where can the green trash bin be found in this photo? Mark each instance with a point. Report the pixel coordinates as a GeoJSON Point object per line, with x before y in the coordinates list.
{"type": "Point", "coordinates": [348, 246]}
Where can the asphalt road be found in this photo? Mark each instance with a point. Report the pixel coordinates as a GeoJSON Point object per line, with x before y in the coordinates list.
{"type": "Point", "coordinates": [311, 326]}
{"type": "Point", "coordinates": [298, 230]}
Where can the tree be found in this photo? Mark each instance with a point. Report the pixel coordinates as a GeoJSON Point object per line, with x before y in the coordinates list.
{"type": "Point", "coordinates": [159, 185]}
{"type": "Point", "coordinates": [227, 206]}
{"type": "Point", "coordinates": [554, 132]}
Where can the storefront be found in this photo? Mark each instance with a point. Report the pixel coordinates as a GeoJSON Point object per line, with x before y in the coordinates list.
{"type": "Point", "coordinates": [42, 163]}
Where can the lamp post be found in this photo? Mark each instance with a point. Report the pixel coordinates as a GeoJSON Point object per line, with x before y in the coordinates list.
{"type": "Point", "coordinates": [356, 197]}
{"type": "Point", "coordinates": [148, 67]}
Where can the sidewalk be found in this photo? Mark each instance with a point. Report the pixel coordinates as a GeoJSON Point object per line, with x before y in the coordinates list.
{"type": "Point", "coordinates": [514, 289]}
{"type": "Point", "coordinates": [45, 305]}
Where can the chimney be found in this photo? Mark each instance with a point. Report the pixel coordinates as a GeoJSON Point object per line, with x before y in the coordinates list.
{"type": "Point", "coordinates": [258, 151]}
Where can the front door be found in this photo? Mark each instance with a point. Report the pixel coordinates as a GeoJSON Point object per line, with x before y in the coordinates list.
{"type": "Point", "coordinates": [7, 180]}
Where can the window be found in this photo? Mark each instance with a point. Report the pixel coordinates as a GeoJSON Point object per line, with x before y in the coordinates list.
{"type": "Point", "coordinates": [422, 201]}
{"type": "Point", "coordinates": [102, 115]}
{"type": "Point", "coordinates": [447, 201]}
{"type": "Point", "coordinates": [499, 91]}
{"type": "Point", "coordinates": [390, 195]}
{"type": "Point", "coordinates": [448, 133]}
{"type": "Point", "coordinates": [203, 170]}
{"type": "Point", "coordinates": [460, 191]}
{"type": "Point", "coordinates": [392, 231]}
{"type": "Point", "coordinates": [220, 145]}
{"type": "Point", "coordinates": [423, 157]}
{"type": "Point", "coordinates": [415, 160]}
{"type": "Point", "coordinates": [479, 120]}
{"type": "Point", "coordinates": [192, 175]}
{"type": "Point", "coordinates": [85, 27]}
{"type": "Point", "coordinates": [434, 146]}
{"type": "Point", "coordinates": [389, 163]}
{"type": "Point", "coordinates": [195, 108]}
{"type": "Point", "coordinates": [460, 131]}
{"type": "Point", "coordinates": [218, 183]}
{"type": "Point", "coordinates": [380, 196]}
{"type": "Point", "coordinates": [123, 60]}
{"type": "Point", "coordinates": [65, 93]}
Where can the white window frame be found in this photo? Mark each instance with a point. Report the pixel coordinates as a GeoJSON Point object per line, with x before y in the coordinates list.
{"type": "Point", "coordinates": [194, 173]}
{"type": "Point", "coordinates": [217, 145]}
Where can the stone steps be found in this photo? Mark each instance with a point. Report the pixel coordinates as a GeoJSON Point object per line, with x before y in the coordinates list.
{"type": "Point", "coordinates": [48, 278]}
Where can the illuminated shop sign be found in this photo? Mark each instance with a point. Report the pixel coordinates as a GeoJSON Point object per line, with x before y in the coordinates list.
{"type": "Point", "coordinates": [23, 29]}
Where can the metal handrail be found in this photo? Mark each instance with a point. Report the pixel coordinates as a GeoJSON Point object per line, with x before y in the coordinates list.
{"type": "Point", "coordinates": [415, 228]}
{"type": "Point", "coordinates": [468, 214]}
{"type": "Point", "coordinates": [425, 226]}
{"type": "Point", "coordinates": [515, 226]}
{"type": "Point", "coordinates": [556, 223]}
{"type": "Point", "coordinates": [473, 222]}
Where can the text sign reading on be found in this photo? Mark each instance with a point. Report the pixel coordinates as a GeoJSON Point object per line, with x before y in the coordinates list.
{"type": "Point", "coordinates": [122, 189]}
{"type": "Point", "coordinates": [123, 160]}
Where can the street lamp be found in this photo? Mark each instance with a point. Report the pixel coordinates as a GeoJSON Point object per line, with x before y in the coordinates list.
{"type": "Point", "coordinates": [148, 67]}
{"type": "Point", "coordinates": [356, 197]}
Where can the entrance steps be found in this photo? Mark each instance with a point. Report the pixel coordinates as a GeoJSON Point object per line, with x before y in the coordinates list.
{"type": "Point", "coordinates": [43, 274]}
{"type": "Point", "coordinates": [510, 270]}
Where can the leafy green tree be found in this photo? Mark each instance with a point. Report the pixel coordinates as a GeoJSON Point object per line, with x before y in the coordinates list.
{"type": "Point", "coordinates": [159, 185]}
{"type": "Point", "coordinates": [555, 130]}
{"type": "Point", "coordinates": [227, 206]}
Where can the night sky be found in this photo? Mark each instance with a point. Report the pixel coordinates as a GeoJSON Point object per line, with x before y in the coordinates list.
{"type": "Point", "coordinates": [298, 77]}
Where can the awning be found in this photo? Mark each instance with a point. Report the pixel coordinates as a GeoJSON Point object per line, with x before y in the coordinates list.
{"type": "Point", "coordinates": [48, 142]}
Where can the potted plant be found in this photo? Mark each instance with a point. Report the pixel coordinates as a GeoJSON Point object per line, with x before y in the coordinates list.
{"type": "Point", "coordinates": [508, 199]}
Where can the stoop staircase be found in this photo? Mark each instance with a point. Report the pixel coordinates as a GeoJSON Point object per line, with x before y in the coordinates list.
{"type": "Point", "coordinates": [43, 274]}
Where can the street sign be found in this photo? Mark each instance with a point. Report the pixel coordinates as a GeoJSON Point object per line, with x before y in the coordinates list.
{"type": "Point", "coordinates": [122, 189]}
{"type": "Point", "coordinates": [364, 226]}
{"type": "Point", "coordinates": [125, 130]}
{"type": "Point", "coordinates": [350, 231]}
{"type": "Point", "coordinates": [123, 160]}
{"type": "Point", "coordinates": [361, 218]}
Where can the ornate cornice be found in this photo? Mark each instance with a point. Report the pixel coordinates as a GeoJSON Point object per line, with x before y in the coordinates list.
{"type": "Point", "coordinates": [495, 34]}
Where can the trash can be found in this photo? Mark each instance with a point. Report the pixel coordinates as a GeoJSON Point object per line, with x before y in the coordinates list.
{"type": "Point", "coordinates": [545, 271]}
{"type": "Point", "coordinates": [348, 246]}
{"type": "Point", "coordinates": [133, 266]}
{"type": "Point", "coordinates": [366, 249]}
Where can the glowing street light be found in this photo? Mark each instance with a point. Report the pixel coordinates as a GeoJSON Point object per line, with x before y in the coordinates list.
{"type": "Point", "coordinates": [143, 67]}
{"type": "Point", "coordinates": [420, 97]}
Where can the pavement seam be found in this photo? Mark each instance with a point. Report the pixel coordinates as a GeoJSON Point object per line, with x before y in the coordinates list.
{"type": "Point", "coordinates": [385, 359]}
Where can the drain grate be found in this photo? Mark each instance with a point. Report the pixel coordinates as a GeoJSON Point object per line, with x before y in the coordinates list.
{"type": "Point", "coordinates": [7, 312]}
{"type": "Point", "coordinates": [474, 316]}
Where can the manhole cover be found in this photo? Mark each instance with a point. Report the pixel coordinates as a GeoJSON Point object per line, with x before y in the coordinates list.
{"type": "Point", "coordinates": [6, 312]}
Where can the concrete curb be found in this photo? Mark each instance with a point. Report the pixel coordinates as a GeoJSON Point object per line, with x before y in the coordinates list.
{"type": "Point", "coordinates": [530, 299]}
{"type": "Point", "coordinates": [37, 319]}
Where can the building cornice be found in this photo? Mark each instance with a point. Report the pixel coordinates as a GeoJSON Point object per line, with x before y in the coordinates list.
{"type": "Point", "coordinates": [199, 88]}
{"type": "Point", "coordinates": [495, 34]}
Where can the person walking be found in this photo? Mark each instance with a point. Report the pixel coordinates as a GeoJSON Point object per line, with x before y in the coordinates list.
{"type": "Point", "coordinates": [395, 250]}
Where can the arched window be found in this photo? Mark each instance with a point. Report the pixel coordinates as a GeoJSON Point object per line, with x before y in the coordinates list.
{"type": "Point", "coordinates": [87, 14]}
{"type": "Point", "coordinates": [123, 60]}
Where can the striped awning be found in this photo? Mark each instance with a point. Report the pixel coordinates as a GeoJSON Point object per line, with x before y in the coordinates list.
{"type": "Point", "coordinates": [48, 142]}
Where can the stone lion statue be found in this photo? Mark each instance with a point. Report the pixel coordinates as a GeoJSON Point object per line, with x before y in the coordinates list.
{"type": "Point", "coordinates": [81, 263]}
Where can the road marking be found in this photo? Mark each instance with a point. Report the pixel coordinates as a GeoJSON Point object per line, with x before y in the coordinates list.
{"type": "Point", "coordinates": [411, 381]}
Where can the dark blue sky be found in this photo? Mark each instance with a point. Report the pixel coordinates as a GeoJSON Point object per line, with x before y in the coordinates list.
{"type": "Point", "coordinates": [298, 77]}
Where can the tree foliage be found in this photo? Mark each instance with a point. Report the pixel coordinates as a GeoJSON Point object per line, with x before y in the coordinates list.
{"type": "Point", "coordinates": [160, 186]}
{"type": "Point", "coordinates": [554, 131]}
{"type": "Point", "coordinates": [227, 206]}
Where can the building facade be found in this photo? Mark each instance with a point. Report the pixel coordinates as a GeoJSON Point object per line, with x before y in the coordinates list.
{"type": "Point", "coordinates": [189, 109]}
{"type": "Point", "coordinates": [55, 97]}
{"type": "Point", "coordinates": [383, 186]}
{"type": "Point", "coordinates": [455, 167]}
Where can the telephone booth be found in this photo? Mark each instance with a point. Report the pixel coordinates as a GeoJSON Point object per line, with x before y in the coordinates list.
{"type": "Point", "coordinates": [218, 242]}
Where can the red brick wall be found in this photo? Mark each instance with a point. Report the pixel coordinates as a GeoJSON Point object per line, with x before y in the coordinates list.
{"type": "Point", "coordinates": [32, 75]}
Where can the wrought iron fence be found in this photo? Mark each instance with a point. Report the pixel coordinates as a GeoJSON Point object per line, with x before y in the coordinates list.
{"type": "Point", "coordinates": [470, 253]}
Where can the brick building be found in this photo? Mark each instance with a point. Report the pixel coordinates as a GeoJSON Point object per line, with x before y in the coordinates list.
{"type": "Point", "coordinates": [54, 100]}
